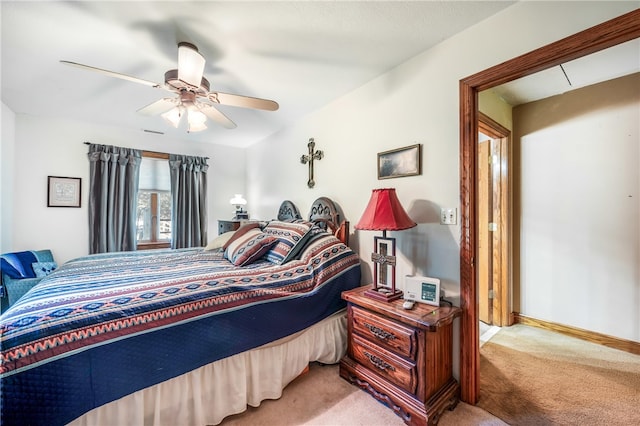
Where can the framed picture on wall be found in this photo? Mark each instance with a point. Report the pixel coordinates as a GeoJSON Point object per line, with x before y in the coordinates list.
{"type": "Point", "coordinates": [63, 191]}
{"type": "Point", "coordinates": [400, 162]}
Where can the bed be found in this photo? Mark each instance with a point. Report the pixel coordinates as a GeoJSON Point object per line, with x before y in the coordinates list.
{"type": "Point", "coordinates": [184, 336]}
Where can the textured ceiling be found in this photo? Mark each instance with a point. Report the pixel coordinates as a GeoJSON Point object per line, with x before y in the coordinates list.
{"type": "Point", "coordinates": [302, 54]}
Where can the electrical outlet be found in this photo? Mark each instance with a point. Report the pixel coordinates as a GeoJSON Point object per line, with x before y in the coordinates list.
{"type": "Point", "coordinates": [448, 216]}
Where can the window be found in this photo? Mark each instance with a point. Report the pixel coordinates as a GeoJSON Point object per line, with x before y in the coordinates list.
{"type": "Point", "coordinates": [153, 226]}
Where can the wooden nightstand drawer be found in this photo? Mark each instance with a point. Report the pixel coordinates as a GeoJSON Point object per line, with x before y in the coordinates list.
{"type": "Point", "coordinates": [394, 368]}
{"type": "Point", "coordinates": [387, 333]}
{"type": "Point", "coordinates": [403, 358]}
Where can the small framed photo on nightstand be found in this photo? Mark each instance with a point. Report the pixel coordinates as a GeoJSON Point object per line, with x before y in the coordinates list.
{"type": "Point", "coordinates": [422, 289]}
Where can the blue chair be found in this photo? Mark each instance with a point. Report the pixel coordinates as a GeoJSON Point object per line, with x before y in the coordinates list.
{"type": "Point", "coordinates": [21, 271]}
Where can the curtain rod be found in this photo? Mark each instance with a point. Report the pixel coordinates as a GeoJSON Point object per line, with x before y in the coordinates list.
{"type": "Point", "coordinates": [145, 150]}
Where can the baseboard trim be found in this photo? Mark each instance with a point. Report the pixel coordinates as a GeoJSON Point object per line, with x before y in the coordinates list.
{"type": "Point", "coordinates": [591, 336]}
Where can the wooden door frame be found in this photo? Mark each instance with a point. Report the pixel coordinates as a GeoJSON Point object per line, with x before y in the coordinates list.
{"type": "Point", "coordinates": [610, 33]}
{"type": "Point", "coordinates": [484, 253]}
{"type": "Point", "coordinates": [501, 254]}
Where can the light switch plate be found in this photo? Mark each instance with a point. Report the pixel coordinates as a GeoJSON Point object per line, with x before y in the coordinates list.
{"type": "Point", "coordinates": [448, 216]}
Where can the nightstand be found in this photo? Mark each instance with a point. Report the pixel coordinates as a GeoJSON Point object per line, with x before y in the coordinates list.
{"type": "Point", "coordinates": [227, 226]}
{"type": "Point", "coordinates": [403, 358]}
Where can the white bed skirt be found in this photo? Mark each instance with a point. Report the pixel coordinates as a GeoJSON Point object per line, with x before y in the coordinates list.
{"type": "Point", "coordinates": [210, 393]}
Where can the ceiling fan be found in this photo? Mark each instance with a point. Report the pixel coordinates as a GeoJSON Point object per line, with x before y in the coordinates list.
{"type": "Point", "coordinates": [195, 100]}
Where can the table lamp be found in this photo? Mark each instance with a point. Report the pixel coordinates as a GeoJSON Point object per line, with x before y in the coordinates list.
{"type": "Point", "coordinates": [238, 201]}
{"type": "Point", "coordinates": [384, 213]}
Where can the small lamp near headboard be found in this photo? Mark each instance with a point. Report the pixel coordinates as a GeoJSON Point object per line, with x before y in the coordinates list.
{"type": "Point", "coordinates": [239, 202]}
{"type": "Point", "coordinates": [384, 213]}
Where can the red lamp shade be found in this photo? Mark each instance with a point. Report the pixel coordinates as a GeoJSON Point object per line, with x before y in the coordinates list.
{"type": "Point", "coordinates": [384, 213]}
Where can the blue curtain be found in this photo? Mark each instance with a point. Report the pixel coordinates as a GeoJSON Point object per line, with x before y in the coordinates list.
{"type": "Point", "coordinates": [189, 201]}
{"type": "Point", "coordinates": [113, 197]}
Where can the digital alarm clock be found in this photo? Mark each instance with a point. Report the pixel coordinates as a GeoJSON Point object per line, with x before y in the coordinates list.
{"type": "Point", "coordinates": [422, 289]}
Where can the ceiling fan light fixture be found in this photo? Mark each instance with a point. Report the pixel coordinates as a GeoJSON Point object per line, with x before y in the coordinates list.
{"type": "Point", "coordinates": [196, 119]}
{"type": "Point", "coordinates": [196, 127]}
{"type": "Point", "coordinates": [173, 116]}
{"type": "Point", "coordinates": [189, 83]}
{"type": "Point", "coordinates": [190, 64]}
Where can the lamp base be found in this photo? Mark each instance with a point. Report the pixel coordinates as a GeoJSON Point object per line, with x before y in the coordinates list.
{"type": "Point", "coordinates": [384, 294]}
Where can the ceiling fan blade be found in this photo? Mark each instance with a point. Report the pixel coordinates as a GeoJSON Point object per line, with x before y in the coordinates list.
{"type": "Point", "coordinates": [217, 116]}
{"type": "Point", "coordinates": [114, 74]}
{"type": "Point", "coordinates": [243, 101]}
{"type": "Point", "coordinates": [158, 107]}
{"type": "Point", "coordinates": [190, 64]}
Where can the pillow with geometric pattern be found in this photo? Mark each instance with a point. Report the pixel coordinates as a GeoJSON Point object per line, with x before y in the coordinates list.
{"type": "Point", "coordinates": [240, 232]}
{"type": "Point", "coordinates": [42, 269]}
{"type": "Point", "coordinates": [249, 247]}
{"type": "Point", "coordinates": [291, 238]}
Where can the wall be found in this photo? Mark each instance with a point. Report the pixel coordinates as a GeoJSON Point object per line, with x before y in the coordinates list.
{"type": "Point", "coordinates": [416, 102]}
{"type": "Point", "coordinates": [492, 105]}
{"type": "Point", "coordinates": [51, 147]}
{"type": "Point", "coordinates": [6, 177]}
{"type": "Point", "coordinates": [579, 207]}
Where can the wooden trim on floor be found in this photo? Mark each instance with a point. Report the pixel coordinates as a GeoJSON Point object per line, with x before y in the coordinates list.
{"type": "Point", "coordinates": [590, 336]}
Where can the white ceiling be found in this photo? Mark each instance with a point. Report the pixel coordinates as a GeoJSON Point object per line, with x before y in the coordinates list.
{"type": "Point", "coordinates": [614, 62]}
{"type": "Point", "coordinates": [302, 54]}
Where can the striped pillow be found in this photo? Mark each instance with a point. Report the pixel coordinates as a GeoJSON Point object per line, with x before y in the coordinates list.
{"type": "Point", "coordinates": [249, 247]}
{"type": "Point", "coordinates": [240, 232]}
{"type": "Point", "coordinates": [291, 237]}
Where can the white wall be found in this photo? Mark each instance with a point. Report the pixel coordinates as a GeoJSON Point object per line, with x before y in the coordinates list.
{"type": "Point", "coordinates": [7, 119]}
{"type": "Point", "coordinates": [417, 102]}
{"type": "Point", "coordinates": [51, 147]}
{"type": "Point", "coordinates": [580, 204]}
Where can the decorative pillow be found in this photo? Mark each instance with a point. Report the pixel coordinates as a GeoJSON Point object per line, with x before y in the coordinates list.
{"type": "Point", "coordinates": [240, 232]}
{"type": "Point", "coordinates": [291, 237]}
{"type": "Point", "coordinates": [219, 241]}
{"type": "Point", "coordinates": [16, 265]}
{"type": "Point", "coordinates": [315, 234]}
{"type": "Point", "coordinates": [42, 269]}
{"type": "Point", "coordinates": [252, 245]}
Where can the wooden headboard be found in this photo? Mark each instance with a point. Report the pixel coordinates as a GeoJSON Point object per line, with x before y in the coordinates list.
{"type": "Point", "coordinates": [288, 211]}
{"type": "Point", "coordinates": [324, 212]}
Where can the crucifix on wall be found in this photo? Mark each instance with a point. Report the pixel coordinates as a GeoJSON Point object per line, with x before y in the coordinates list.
{"type": "Point", "coordinates": [317, 155]}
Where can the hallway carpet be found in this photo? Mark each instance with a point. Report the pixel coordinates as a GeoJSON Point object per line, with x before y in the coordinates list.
{"type": "Point", "coordinates": [532, 376]}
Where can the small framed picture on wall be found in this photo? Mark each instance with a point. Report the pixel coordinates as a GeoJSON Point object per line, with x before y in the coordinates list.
{"type": "Point", "coordinates": [63, 191]}
{"type": "Point", "coordinates": [400, 162]}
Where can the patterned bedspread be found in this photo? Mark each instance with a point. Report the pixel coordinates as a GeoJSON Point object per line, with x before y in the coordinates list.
{"type": "Point", "coordinates": [104, 326]}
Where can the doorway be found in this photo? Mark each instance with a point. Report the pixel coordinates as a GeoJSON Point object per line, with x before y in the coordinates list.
{"type": "Point", "coordinates": [599, 37]}
{"type": "Point", "coordinates": [494, 230]}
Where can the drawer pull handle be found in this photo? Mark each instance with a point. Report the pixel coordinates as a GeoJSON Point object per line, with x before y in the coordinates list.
{"type": "Point", "coordinates": [380, 333]}
{"type": "Point", "coordinates": [378, 362]}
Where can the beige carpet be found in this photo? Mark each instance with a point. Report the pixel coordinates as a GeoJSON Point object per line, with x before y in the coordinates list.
{"type": "Point", "coordinates": [322, 398]}
{"type": "Point", "coordinates": [531, 376]}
